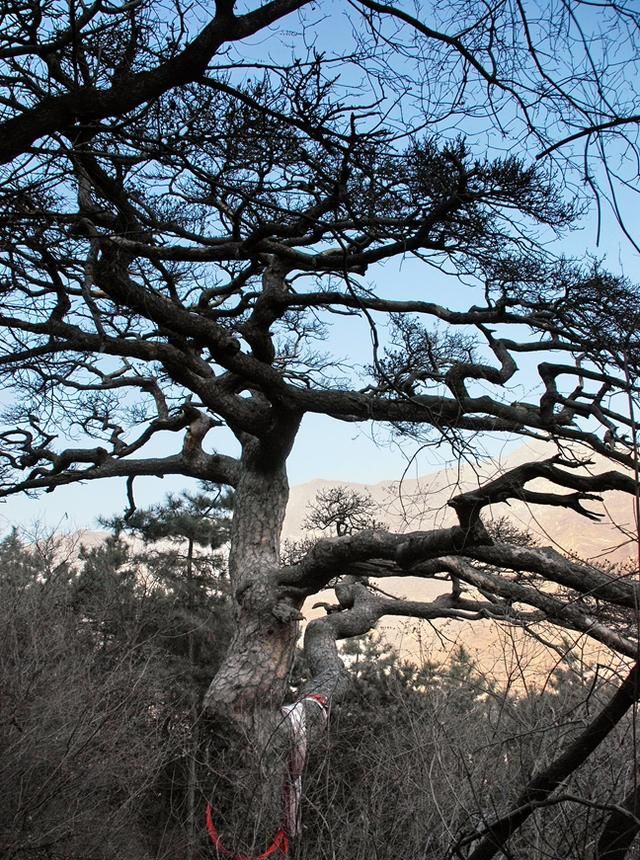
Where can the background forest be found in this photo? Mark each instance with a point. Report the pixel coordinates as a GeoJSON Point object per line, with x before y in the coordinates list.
{"type": "Point", "coordinates": [106, 752]}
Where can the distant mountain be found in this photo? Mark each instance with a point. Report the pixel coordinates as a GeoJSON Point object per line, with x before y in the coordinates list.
{"type": "Point", "coordinates": [421, 503]}
{"type": "Point", "coordinates": [413, 504]}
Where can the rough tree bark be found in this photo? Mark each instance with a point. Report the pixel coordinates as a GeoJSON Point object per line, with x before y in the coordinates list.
{"type": "Point", "coordinates": [255, 671]}
{"type": "Point", "coordinates": [169, 272]}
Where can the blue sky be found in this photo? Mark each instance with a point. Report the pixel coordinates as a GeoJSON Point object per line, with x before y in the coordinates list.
{"type": "Point", "coordinates": [326, 448]}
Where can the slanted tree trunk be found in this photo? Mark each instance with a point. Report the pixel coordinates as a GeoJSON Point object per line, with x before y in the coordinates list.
{"type": "Point", "coordinates": [543, 784]}
{"type": "Point", "coordinates": [621, 829]}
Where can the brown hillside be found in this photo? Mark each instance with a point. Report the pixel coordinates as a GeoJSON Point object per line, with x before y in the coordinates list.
{"type": "Point", "coordinates": [422, 504]}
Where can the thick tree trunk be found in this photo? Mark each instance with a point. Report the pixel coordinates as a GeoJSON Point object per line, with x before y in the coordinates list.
{"type": "Point", "coordinates": [255, 670]}
{"type": "Point", "coordinates": [251, 743]}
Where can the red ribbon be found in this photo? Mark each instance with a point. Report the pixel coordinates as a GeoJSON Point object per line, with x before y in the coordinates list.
{"type": "Point", "coordinates": [320, 699]}
{"type": "Point", "coordinates": [279, 843]}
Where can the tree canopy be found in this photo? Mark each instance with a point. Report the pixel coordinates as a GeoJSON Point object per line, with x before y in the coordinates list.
{"type": "Point", "coordinates": [185, 212]}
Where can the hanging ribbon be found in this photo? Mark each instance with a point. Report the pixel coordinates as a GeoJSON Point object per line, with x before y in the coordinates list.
{"type": "Point", "coordinates": [291, 827]}
{"type": "Point", "coordinates": [292, 791]}
{"type": "Point", "coordinates": [279, 843]}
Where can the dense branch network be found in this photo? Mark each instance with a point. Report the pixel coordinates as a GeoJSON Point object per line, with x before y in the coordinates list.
{"type": "Point", "coordinates": [181, 226]}
{"type": "Point", "coordinates": [173, 274]}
